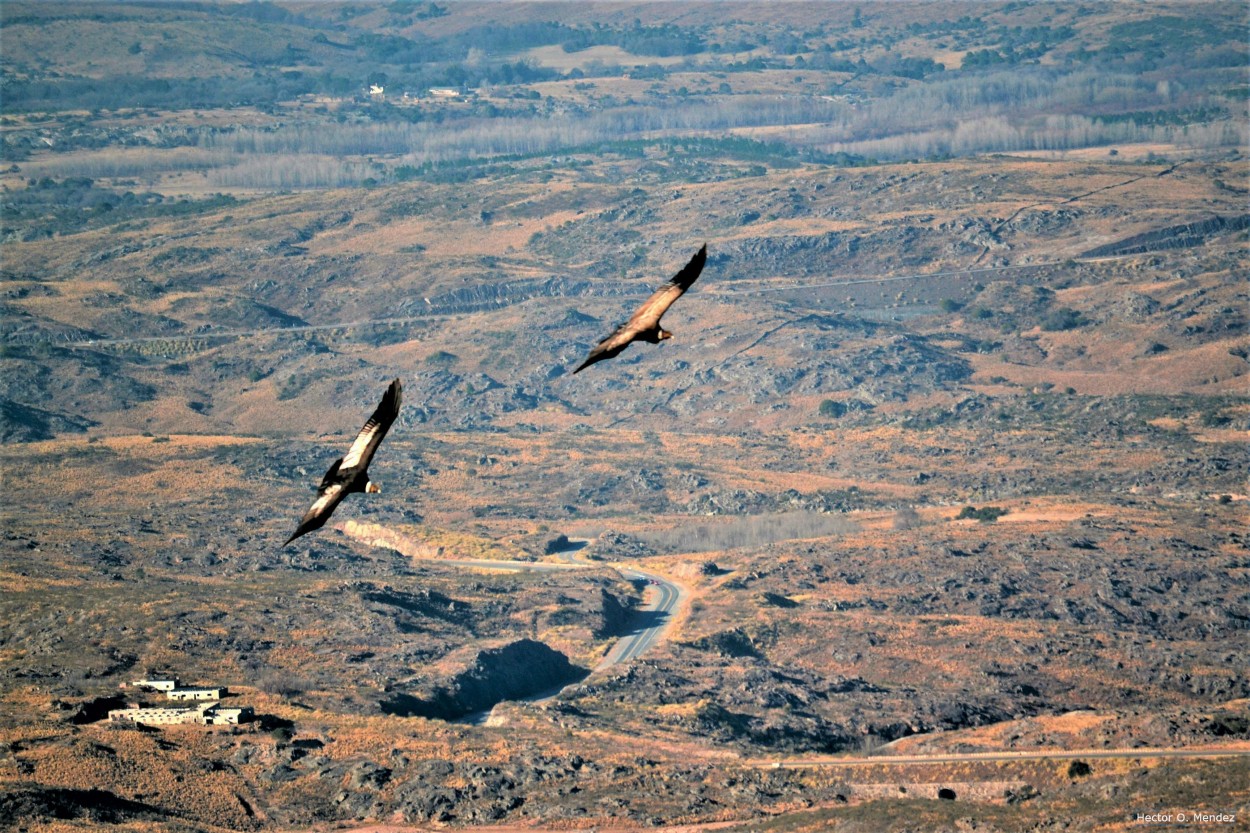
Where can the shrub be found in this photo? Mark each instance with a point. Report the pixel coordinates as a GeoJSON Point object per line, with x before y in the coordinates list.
{"type": "Point", "coordinates": [832, 409]}
{"type": "Point", "coordinates": [293, 386]}
{"type": "Point", "coordinates": [442, 358]}
{"type": "Point", "coordinates": [986, 514]}
{"type": "Point", "coordinates": [1230, 724]}
{"type": "Point", "coordinates": [1062, 318]}
{"type": "Point", "coordinates": [1215, 419]}
{"type": "Point", "coordinates": [906, 518]}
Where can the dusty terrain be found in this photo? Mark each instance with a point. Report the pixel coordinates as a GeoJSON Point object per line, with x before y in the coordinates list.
{"type": "Point", "coordinates": [948, 450]}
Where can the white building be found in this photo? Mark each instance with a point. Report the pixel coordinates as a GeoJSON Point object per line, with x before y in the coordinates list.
{"type": "Point", "coordinates": [205, 714]}
{"type": "Point", "coordinates": [215, 715]}
{"type": "Point", "coordinates": [151, 717]}
{"type": "Point", "coordinates": [214, 693]}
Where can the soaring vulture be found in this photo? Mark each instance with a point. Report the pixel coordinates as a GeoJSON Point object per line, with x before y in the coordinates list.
{"type": "Point", "coordinates": [644, 325]}
{"type": "Point", "coordinates": [350, 473]}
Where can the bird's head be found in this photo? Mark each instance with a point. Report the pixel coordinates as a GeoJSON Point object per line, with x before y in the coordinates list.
{"type": "Point", "coordinates": [665, 334]}
{"type": "Point", "coordinates": [372, 488]}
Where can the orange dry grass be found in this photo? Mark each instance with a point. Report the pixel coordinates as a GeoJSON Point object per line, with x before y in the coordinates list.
{"type": "Point", "coordinates": [445, 238]}
{"type": "Point", "coordinates": [15, 583]}
{"type": "Point", "coordinates": [123, 760]}
{"type": "Point", "coordinates": [69, 295]}
{"type": "Point", "coordinates": [1216, 371]}
{"type": "Point", "coordinates": [907, 649]}
{"type": "Point", "coordinates": [179, 477]}
{"type": "Point", "coordinates": [130, 442]}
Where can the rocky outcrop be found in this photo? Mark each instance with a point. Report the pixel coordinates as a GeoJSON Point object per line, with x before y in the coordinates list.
{"type": "Point", "coordinates": [517, 670]}
{"type": "Point", "coordinates": [488, 296]}
{"type": "Point", "coordinates": [19, 806]}
{"type": "Point", "coordinates": [730, 643]}
{"type": "Point", "coordinates": [612, 546]}
{"type": "Point", "coordinates": [97, 709]}
{"type": "Point", "coordinates": [617, 614]}
{"type": "Point", "coordinates": [25, 423]}
{"type": "Point", "coordinates": [1182, 236]}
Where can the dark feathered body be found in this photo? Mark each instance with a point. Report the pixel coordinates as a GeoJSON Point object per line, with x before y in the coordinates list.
{"type": "Point", "coordinates": [644, 324]}
{"type": "Point", "coordinates": [350, 473]}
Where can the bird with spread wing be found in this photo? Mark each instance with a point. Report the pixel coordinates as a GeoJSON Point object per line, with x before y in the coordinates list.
{"type": "Point", "coordinates": [350, 473]}
{"type": "Point", "coordinates": [644, 325]}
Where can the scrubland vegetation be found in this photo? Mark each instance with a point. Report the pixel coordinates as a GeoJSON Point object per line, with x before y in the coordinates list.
{"type": "Point", "coordinates": [927, 85]}
{"type": "Point", "coordinates": [948, 450]}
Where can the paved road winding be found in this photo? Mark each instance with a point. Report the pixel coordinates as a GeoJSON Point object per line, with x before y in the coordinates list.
{"type": "Point", "coordinates": [651, 621]}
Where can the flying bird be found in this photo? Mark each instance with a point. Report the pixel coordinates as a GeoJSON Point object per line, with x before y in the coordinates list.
{"type": "Point", "coordinates": [350, 473]}
{"type": "Point", "coordinates": [644, 325]}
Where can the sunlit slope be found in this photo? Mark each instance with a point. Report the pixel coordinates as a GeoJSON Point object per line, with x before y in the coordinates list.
{"type": "Point", "coordinates": [882, 286]}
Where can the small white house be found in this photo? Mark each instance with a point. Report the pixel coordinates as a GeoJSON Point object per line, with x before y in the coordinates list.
{"type": "Point", "coordinates": [215, 715]}
{"type": "Point", "coordinates": [205, 714]}
{"type": "Point", "coordinates": [376, 90]}
{"type": "Point", "coordinates": [197, 693]}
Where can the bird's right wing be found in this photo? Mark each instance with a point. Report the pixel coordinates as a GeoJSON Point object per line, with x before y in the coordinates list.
{"type": "Point", "coordinates": [325, 502]}
{"type": "Point", "coordinates": [374, 429]}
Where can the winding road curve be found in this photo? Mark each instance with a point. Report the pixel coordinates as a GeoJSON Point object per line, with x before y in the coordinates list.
{"type": "Point", "coordinates": [663, 598]}
{"type": "Point", "coordinates": [652, 621]}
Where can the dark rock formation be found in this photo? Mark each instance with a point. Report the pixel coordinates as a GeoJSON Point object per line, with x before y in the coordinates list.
{"type": "Point", "coordinates": [616, 614]}
{"type": "Point", "coordinates": [98, 709]}
{"type": "Point", "coordinates": [615, 545]}
{"type": "Point", "coordinates": [25, 423]}
{"type": "Point", "coordinates": [520, 669]}
{"type": "Point", "coordinates": [1182, 236]}
{"type": "Point", "coordinates": [731, 643]}
{"type": "Point", "coordinates": [23, 804]}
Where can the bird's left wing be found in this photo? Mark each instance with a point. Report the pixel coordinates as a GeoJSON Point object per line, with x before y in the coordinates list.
{"type": "Point", "coordinates": [648, 315]}
{"type": "Point", "coordinates": [325, 502]}
{"type": "Point", "coordinates": [374, 429]}
{"type": "Point", "coordinates": [317, 514]}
